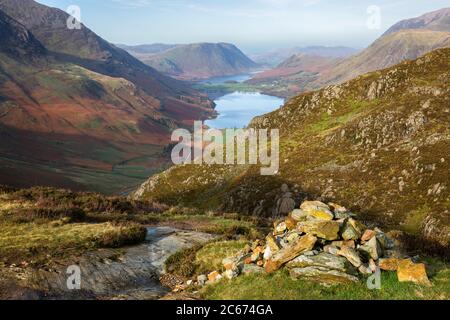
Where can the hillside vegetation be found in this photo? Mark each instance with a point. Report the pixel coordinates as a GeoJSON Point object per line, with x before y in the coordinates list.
{"type": "Point", "coordinates": [378, 144]}
{"type": "Point", "coordinates": [78, 112]}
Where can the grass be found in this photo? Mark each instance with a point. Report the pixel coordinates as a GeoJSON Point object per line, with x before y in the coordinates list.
{"type": "Point", "coordinates": [42, 225]}
{"type": "Point", "coordinates": [202, 258]}
{"type": "Point", "coordinates": [280, 286]}
{"type": "Point", "coordinates": [40, 243]}
{"type": "Point", "coordinates": [210, 256]}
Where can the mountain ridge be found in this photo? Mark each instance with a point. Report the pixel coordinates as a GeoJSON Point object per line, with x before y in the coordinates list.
{"type": "Point", "coordinates": [198, 60]}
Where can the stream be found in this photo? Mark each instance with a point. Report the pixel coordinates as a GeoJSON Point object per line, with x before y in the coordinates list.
{"type": "Point", "coordinates": [126, 273]}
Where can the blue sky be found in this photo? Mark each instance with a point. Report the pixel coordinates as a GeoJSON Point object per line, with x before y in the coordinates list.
{"type": "Point", "coordinates": [253, 25]}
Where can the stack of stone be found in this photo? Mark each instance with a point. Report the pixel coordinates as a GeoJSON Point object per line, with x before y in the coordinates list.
{"type": "Point", "coordinates": [323, 243]}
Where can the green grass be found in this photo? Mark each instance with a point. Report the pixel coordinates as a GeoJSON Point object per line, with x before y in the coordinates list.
{"type": "Point", "coordinates": [202, 259]}
{"type": "Point", "coordinates": [210, 256]}
{"type": "Point", "coordinates": [280, 286]}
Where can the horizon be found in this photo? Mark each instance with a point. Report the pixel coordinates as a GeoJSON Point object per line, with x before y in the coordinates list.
{"type": "Point", "coordinates": [255, 26]}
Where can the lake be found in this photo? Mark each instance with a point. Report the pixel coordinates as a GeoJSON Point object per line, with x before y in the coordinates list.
{"type": "Point", "coordinates": [237, 109]}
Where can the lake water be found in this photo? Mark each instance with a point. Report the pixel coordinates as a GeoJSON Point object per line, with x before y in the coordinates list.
{"type": "Point", "coordinates": [237, 109]}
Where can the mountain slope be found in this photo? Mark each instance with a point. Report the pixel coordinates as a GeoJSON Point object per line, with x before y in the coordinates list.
{"type": "Point", "coordinates": [199, 61]}
{"type": "Point", "coordinates": [99, 123]}
{"type": "Point", "coordinates": [438, 20]}
{"type": "Point", "coordinates": [275, 57]}
{"type": "Point", "coordinates": [294, 74]}
{"type": "Point", "coordinates": [406, 40]}
{"type": "Point", "coordinates": [83, 47]}
{"type": "Point", "coordinates": [378, 144]}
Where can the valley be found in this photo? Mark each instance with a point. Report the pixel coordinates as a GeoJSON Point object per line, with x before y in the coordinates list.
{"type": "Point", "coordinates": [357, 207]}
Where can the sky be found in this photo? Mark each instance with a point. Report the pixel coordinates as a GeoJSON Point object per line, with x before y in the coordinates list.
{"type": "Point", "coordinates": [253, 25]}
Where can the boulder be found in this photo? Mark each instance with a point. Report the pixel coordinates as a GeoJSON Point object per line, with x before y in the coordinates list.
{"type": "Point", "coordinates": [322, 275]}
{"type": "Point", "coordinates": [390, 264]}
{"type": "Point", "coordinates": [280, 228]}
{"type": "Point", "coordinates": [365, 269]}
{"type": "Point", "coordinates": [281, 257]}
{"type": "Point", "coordinates": [352, 230]}
{"type": "Point", "coordinates": [291, 223]}
{"type": "Point", "coordinates": [251, 269]}
{"type": "Point", "coordinates": [214, 276]}
{"type": "Point", "coordinates": [351, 255]}
{"type": "Point", "coordinates": [298, 215]}
{"type": "Point", "coordinates": [371, 249]}
{"type": "Point", "coordinates": [201, 280]}
{"type": "Point", "coordinates": [347, 243]}
{"type": "Point", "coordinates": [231, 274]}
{"type": "Point", "coordinates": [330, 249]}
{"type": "Point", "coordinates": [267, 253]}
{"type": "Point", "coordinates": [328, 230]}
{"type": "Point", "coordinates": [408, 271]}
{"type": "Point", "coordinates": [317, 209]}
{"type": "Point", "coordinates": [323, 260]}
{"type": "Point", "coordinates": [368, 234]}
{"type": "Point", "coordinates": [272, 243]}
{"type": "Point", "coordinates": [292, 237]}
{"type": "Point", "coordinates": [235, 262]}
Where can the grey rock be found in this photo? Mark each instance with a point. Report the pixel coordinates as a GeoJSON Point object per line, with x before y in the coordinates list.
{"type": "Point", "coordinates": [322, 275]}
{"type": "Point", "coordinates": [323, 260]}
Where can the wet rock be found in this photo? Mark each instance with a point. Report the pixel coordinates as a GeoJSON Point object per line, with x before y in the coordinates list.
{"type": "Point", "coordinates": [305, 243]}
{"type": "Point", "coordinates": [327, 230]}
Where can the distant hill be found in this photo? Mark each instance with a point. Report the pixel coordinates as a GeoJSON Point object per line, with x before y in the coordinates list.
{"type": "Point", "coordinates": [196, 61]}
{"type": "Point", "coordinates": [385, 52]}
{"type": "Point", "coordinates": [275, 57]}
{"type": "Point", "coordinates": [438, 20]}
{"type": "Point", "coordinates": [294, 74]}
{"type": "Point", "coordinates": [75, 110]}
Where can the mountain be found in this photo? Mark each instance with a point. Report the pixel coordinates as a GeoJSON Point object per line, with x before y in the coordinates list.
{"type": "Point", "coordinates": [198, 61]}
{"type": "Point", "coordinates": [78, 112]}
{"type": "Point", "coordinates": [378, 144]}
{"type": "Point", "coordinates": [438, 20]}
{"type": "Point", "coordinates": [385, 52]}
{"type": "Point", "coordinates": [406, 40]}
{"type": "Point", "coordinates": [275, 57]}
{"type": "Point", "coordinates": [294, 74]}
